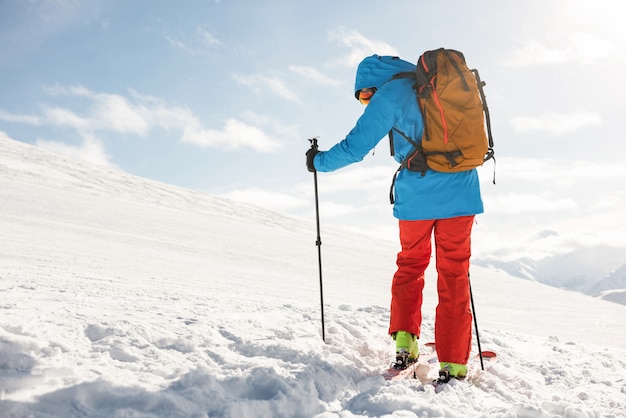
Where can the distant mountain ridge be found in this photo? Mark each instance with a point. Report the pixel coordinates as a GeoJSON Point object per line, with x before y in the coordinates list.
{"type": "Point", "coordinates": [598, 271]}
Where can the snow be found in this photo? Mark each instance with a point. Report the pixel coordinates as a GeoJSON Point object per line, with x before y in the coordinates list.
{"type": "Point", "coordinates": [123, 297]}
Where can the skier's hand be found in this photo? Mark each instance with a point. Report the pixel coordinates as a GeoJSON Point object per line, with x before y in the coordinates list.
{"type": "Point", "coordinates": [310, 155]}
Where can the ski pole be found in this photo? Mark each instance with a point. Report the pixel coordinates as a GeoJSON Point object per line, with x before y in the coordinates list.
{"type": "Point", "coordinates": [480, 351]}
{"type": "Point", "coordinates": [318, 242]}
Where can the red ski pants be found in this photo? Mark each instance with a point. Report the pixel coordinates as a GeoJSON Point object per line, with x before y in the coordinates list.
{"type": "Point", "coordinates": [453, 320]}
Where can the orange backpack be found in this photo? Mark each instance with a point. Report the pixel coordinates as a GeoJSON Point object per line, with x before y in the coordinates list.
{"type": "Point", "coordinates": [451, 99]}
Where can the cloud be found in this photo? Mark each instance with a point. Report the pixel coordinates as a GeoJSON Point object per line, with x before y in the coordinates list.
{"type": "Point", "coordinates": [360, 46]}
{"type": "Point", "coordinates": [157, 113]}
{"type": "Point", "coordinates": [564, 192]}
{"type": "Point", "coordinates": [550, 171]}
{"type": "Point", "coordinates": [235, 134]}
{"type": "Point", "coordinates": [555, 123]}
{"type": "Point", "coordinates": [177, 43]}
{"type": "Point", "coordinates": [314, 75]}
{"type": "Point", "coordinates": [516, 203]}
{"type": "Point", "coordinates": [108, 113]}
{"type": "Point", "coordinates": [204, 43]}
{"type": "Point", "coordinates": [208, 38]}
{"type": "Point", "coordinates": [358, 178]}
{"type": "Point", "coordinates": [279, 128]}
{"type": "Point", "coordinates": [581, 48]}
{"type": "Point", "coordinates": [66, 117]}
{"type": "Point", "coordinates": [140, 114]}
{"type": "Point", "coordinates": [531, 53]}
{"type": "Point", "coordinates": [16, 118]}
{"type": "Point", "coordinates": [105, 112]}
{"type": "Point", "coordinates": [91, 150]}
{"type": "Point", "coordinates": [273, 85]}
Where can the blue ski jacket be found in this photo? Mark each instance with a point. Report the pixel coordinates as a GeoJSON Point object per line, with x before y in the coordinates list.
{"type": "Point", "coordinates": [435, 195]}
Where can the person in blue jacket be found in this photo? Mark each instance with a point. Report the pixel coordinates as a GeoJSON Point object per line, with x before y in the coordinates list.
{"type": "Point", "coordinates": [436, 203]}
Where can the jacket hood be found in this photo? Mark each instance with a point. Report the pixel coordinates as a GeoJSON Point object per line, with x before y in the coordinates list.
{"type": "Point", "coordinates": [376, 70]}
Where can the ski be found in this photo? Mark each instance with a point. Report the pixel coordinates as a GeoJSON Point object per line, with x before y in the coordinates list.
{"type": "Point", "coordinates": [474, 370]}
{"type": "Point", "coordinates": [418, 368]}
{"type": "Point", "coordinates": [427, 364]}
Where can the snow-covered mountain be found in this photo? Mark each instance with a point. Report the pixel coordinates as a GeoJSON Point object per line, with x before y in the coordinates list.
{"type": "Point", "coordinates": [614, 280]}
{"type": "Point", "coordinates": [123, 297]}
{"type": "Point", "coordinates": [594, 270]}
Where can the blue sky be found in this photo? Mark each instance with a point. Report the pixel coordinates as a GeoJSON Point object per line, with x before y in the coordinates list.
{"type": "Point", "coordinates": [221, 96]}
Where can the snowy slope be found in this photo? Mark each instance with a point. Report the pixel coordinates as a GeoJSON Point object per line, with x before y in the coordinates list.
{"type": "Point", "coordinates": [122, 297]}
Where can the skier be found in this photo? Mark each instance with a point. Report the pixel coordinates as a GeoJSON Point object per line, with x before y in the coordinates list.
{"type": "Point", "coordinates": [435, 203]}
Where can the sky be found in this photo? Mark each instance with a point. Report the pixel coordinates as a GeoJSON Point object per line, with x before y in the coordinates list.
{"type": "Point", "coordinates": [125, 297]}
{"type": "Point", "coordinates": [221, 97]}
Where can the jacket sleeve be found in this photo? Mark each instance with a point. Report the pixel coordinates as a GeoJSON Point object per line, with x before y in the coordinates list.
{"type": "Point", "coordinates": [372, 126]}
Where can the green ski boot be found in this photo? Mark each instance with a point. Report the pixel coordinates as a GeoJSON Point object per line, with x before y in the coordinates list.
{"type": "Point", "coordinates": [407, 349]}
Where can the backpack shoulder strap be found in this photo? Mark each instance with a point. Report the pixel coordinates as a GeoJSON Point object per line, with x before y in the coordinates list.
{"type": "Point", "coordinates": [404, 74]}
{"type": "Point", "coordinates": [405, 136]}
